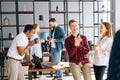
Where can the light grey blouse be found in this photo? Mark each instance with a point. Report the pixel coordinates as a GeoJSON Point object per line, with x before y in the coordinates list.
{"type": "Point", "coordinates": [102, 58]}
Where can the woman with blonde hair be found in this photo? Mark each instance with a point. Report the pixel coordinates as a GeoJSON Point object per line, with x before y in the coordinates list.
{"type": "Point", "coordinates": [102, 50]}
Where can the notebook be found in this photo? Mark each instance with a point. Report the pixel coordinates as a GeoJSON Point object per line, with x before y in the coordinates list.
{"type": "Point", "coordinates": [39, 64]}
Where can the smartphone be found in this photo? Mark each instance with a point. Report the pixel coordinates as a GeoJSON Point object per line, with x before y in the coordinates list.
{"type": "Point", "coordinates": [48, 37]}
{"type": "Point", "coordinates": [78, 35]}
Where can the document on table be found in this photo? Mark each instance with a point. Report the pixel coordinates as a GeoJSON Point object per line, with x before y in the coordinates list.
{"type": "Point", "coordinates": [61, 65]}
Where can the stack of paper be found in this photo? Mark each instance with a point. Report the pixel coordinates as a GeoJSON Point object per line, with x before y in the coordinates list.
{"type": "Point", "coordinates": [61, 65]}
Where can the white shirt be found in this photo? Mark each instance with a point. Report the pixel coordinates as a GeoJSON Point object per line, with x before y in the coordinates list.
{"type": "Point", "coordinates": [102, 58]}
{"type": "Point", "coordinates": [19, 40]}
{"type": "Point", "coordinates": [35, 49]}
{"type": "Point", "coordinates": [53, 44]}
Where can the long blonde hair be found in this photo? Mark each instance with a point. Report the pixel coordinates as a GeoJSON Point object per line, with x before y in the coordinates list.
{"type": "Point", "coordinates": [108, 26]}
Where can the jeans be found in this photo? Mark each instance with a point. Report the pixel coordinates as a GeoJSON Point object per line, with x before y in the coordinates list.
{"type": "Point", "coordinates": [56, 57]}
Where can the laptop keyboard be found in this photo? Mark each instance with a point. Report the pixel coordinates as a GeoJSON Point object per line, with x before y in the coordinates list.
{"type": "Point", "coordinates": [46, 66]}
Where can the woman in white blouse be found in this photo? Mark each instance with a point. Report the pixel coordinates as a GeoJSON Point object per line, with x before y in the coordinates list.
{"type": "Point", "coordinates": [36, 49]}
{"type": "Point", "coordinates": [102, 50]}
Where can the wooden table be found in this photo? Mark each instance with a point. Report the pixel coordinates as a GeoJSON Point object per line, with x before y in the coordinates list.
{"type": "Point", "coordinates": [32, 69]}
{"type": "Point", "coordinates": [46, 54]}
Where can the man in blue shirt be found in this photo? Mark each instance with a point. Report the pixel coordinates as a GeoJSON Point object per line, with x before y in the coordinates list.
{"type": "Point", "coordinates": [57, 43]}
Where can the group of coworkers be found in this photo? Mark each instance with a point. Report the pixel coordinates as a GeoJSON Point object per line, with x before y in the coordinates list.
{"type": "Point", "coordinates": [76, 45]}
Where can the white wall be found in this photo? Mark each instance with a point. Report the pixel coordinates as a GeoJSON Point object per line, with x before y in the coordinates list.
{"type": "Point", "coordinates": [42, 8]}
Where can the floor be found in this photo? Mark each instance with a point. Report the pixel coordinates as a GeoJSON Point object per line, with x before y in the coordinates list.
{"type": "Point", "coordinates": [64, 78]}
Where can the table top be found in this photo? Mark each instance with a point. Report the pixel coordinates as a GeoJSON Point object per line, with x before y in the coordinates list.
{"type": "Point", "coordinates": [32, 69]}
{"type": "Point", "coordinates": [46, 54]}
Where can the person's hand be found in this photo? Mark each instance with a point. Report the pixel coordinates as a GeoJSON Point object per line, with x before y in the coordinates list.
{"type": "Point", "coordinates": [98, 48]}
{"type": "Point", "coordinates": [77, 41]}
{"type": "Point", "coordinates": [31, 43]}
{"type": "Point", "coordinates": [52, 40]}
{"type": "Point", "coordinates": [42, 40]}
{"type": "Point", "coordinates": [31, 64]}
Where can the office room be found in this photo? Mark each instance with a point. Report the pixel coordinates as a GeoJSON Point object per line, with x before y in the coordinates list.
{"type": "Point", "coordinates": [59, 39]}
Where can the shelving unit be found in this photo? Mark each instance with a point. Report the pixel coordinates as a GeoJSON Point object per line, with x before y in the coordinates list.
{"type": "Point", "coordinates": [101, 12]}
{"type": "Point", "coordinates": [19, 13]}
{"type": "Point", "coordinates": [13, 18]}
{"type": "Point", "coordinates": [44, 27]}
{"type": "Point", "coordinates": [65, 13]}
{"type": "Point", "coordinates": [55, 10]}
{"type": "Point", "coordinates": [69, 9]}
{"type": "Point", "coordinates": [77, 12]}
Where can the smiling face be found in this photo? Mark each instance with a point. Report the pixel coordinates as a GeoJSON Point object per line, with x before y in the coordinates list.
{"type": "Point", "coordinates": [74, 27]}
{"type": "Point", "coordinates": [73, 24]}
{"type": "Point", "coordinates": [52, 24]}
{"type": "Point", "coordinates": [30, 33]}
{"type": "Point", "coordinates": [29, 30]}
{"type": "Point", "coordinates": [103, 29]}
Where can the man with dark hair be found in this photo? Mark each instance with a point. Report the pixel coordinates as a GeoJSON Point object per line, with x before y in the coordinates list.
{"type": "Point", "coordinates": [28, 27]}
{"type": "Point", "coordinates": [18, 49]}
{"type": "Point", "coordinates": [52, 20]}
{"type": "Point", "coordinates": [57, 43]}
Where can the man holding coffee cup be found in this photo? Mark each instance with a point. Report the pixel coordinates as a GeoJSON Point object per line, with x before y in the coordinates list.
{"type": "Point", "coordinates": [18, 50]}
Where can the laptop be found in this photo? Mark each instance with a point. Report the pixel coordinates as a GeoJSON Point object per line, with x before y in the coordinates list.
{"type": "Point", "coordinates": [39, 64]}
